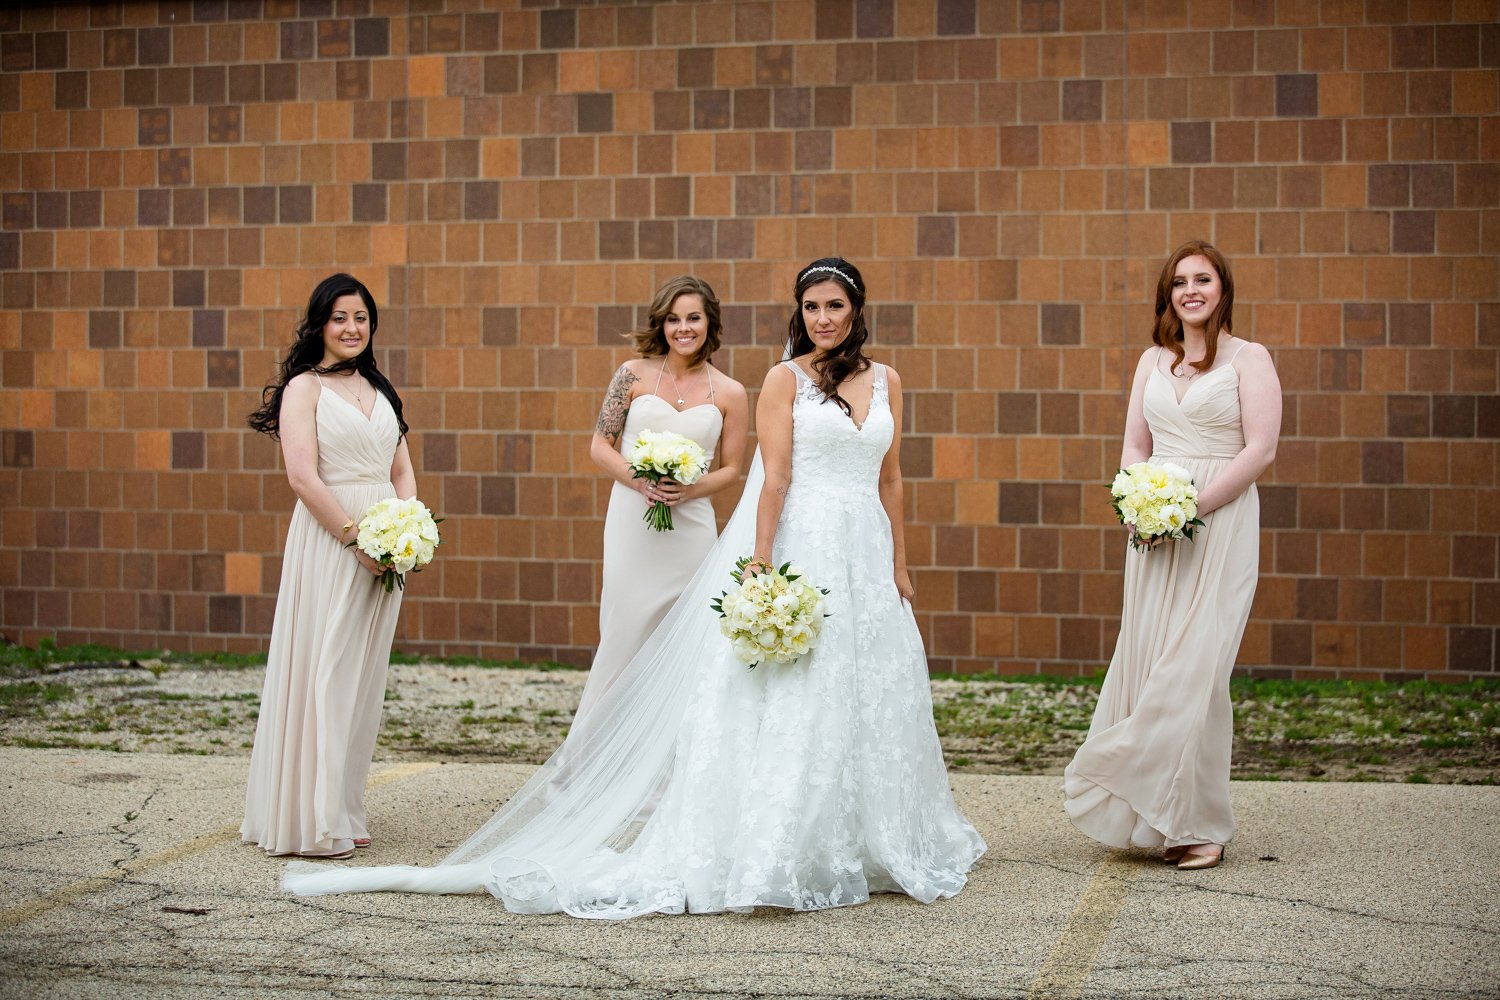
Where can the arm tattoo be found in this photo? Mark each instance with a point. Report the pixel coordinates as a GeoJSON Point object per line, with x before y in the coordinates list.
{"type": "Point", "coordinates": [616, 403]}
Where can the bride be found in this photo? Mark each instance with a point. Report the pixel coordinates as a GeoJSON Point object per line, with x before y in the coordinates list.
{"type": "Point", "coordinates": [703, 786]}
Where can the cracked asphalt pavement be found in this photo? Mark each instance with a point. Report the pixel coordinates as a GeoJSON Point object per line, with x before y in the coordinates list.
{"type": "Point", "coordinates": [123, 876]}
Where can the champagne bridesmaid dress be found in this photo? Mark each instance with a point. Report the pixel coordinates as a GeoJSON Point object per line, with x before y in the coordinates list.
{"type": "Point", "coordinates": [645, 570]}
{"type": "Point", "coordinates": [330, 648]}
{"type": "Point", "coordinates": [1154, 771]}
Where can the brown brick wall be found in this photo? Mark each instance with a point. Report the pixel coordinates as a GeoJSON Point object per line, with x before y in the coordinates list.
{"type": "Point", "coordinates": [513, 183]}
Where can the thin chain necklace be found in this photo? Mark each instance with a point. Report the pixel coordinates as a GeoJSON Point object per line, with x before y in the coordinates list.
{"type": "Point", "coordinates": [359, 390]}
{"type": "Point", "coordinates": [680, 400]}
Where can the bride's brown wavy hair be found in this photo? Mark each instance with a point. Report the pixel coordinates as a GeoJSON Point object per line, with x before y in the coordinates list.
{"type": "Point", "coordinates": [849, 357]}
{"type": "Point", "coordinates": [1168, 331]}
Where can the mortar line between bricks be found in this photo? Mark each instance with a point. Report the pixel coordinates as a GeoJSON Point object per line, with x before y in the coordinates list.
{"type": "Point", "coordinates": [1073, 955]}
{"type": "Point", "coordinates": [102, 882]}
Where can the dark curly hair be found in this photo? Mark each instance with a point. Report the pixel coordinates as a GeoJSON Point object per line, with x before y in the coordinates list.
{"type": "Point", "coordinates": [307, 351]}
{"type": "Point", "coordinates": [848, 358]}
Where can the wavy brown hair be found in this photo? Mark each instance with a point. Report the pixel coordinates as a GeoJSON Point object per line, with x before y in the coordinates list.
{"type": "Point", "coordinates": [1168, 331]}
{"type": "Point", "coordinates": [849, 357]}
{"type": "Point", "coordinates": [651, 340]}
{"type": "Point", "coordinates": [306, 353]}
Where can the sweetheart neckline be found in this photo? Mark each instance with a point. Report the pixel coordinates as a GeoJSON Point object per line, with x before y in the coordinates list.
{"type": "Point", "coordinates": [652, 395]}
{"type": "Point", "coordinates": [1191, 385]}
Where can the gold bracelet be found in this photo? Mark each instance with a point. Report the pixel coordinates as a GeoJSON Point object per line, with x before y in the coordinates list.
{"type": "Point", "coordinates": [344, 531]}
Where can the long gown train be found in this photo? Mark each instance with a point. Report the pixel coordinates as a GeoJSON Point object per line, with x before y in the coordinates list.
{"type": "Point", "coordinates": [705, 786]}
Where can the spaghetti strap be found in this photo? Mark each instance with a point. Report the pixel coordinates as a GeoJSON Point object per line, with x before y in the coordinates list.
{"type": "Point", "coordinates": [1237, 351]}
{"type": "Point", "coordinates": [659, 373]}
{"type": "Point", "coordinates": [711, 397]}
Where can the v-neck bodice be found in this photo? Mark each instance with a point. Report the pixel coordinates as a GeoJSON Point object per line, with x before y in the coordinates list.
{"type": "Point", "coordinates": [353, 448]}
{"type": "Point", "coordinates": [1205, 424]}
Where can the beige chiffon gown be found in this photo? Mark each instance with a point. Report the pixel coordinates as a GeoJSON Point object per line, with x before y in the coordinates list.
{"type": "Point", "coordinates": [646, 570]}
{"type": "Point", "coordinates": [330, 649]}
{"type": "Point", "coordinates": [1154, 771]}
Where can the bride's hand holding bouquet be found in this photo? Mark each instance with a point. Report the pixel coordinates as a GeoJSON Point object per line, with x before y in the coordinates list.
{"type": "Point", "coordinates": [770, 614]}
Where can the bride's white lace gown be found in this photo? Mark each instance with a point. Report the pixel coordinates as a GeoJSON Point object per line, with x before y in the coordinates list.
{"type": "Point", "coordinates": [804, 786]}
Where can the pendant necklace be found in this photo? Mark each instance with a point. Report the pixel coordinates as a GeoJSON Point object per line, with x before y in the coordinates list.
{"type": "Point", "coordinates": [680, 401]}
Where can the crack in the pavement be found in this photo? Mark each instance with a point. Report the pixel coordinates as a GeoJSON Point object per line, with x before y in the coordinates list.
{"type": "Point", "coordinates": [1161, 887]}
{"type": "Point", "coordinates": [127, 837]}
{"type": "Point", "coordinates": [1339, 981]}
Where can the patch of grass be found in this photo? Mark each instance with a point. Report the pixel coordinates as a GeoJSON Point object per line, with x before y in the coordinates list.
{"type": "Point", "coordinates": [478, 661]}
{"type": "Point", "coordinates": [30, 697]}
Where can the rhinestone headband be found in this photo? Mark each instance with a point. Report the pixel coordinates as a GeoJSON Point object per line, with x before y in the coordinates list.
{"type": "Point", "coordinates": [829, 267]}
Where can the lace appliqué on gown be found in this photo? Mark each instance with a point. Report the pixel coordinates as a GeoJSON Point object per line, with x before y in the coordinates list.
{"type": "Point", "coordinates": [710, 787]}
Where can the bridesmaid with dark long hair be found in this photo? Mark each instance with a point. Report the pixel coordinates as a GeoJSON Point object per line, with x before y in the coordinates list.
{"type": "Point", "coordinates": [343, 439]}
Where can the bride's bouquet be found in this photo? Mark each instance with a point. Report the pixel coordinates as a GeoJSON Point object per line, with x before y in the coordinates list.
{"type": "Point", "coordinates": [401, 535]}
{"type": "Point", "coordinates": [658, 455]}
{"type": "Point", "coordinates": [1158, 501]}
{"type": "Point", "coordinates": [774, 615]}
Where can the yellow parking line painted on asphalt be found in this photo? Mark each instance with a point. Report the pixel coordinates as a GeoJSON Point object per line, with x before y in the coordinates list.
{"type": "Point", "coordinates": [30, 910]}
{"type": "Point", "coordinates": [1072, 957]}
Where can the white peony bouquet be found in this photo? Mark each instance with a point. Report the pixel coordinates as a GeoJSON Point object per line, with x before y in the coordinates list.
{"type": "Point", "coordinates": [658, 455]}
{"type": "Point", "coordinates": [1158, 501]}
{"type": "Point", "coordinates": [401, 535]}
{"type": "Point", "coordinates": [774, 615]}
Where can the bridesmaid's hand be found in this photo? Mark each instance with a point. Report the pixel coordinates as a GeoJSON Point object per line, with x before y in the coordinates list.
{"type": "Point", "coordinates": [668, 492]}
{"type": "Point", "coordinates": [370, 564]}
{"type": "Point", "coordinates": [904, 587]}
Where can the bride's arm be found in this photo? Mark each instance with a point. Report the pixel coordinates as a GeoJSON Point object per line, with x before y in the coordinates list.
{"type": "Point", "coordinates": [891, 495]}
{"type": "Point", "coordinates": [773, 428]}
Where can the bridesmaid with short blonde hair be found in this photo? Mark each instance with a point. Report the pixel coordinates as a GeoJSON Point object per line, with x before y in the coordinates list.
{"type": "Point", "coordinates": [1154, 771]}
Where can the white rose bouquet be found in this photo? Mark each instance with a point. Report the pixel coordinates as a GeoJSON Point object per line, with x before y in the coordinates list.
{"type": "Point", "coordinates": [401, 535]}
{"type": "Point", "coordinates": [1158, 501]}
{"type": "Point", "coordinates": [658, 455]}
{"type": "Point", "coordinates": [774, 615]}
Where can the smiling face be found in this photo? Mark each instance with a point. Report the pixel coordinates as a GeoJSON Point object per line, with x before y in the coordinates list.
{"type": "Point", "coordinates": [828, 315]}
{"type": "Point", "coordinates": [347, 331]}
{"type": "Point", "coordinates": [1196, 291]}
{"type": "Point", "coordinates": [686, 326]}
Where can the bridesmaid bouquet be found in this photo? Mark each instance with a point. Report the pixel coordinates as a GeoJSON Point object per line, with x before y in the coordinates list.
{"type": "Point", "coordinates": [1158, 501]}
{"type": "Point", "coordinates": [401, 535]}
{"type": "Point", "coordinates": [658, 455]}
{"type": "Point", "coordinates": [774, 615]}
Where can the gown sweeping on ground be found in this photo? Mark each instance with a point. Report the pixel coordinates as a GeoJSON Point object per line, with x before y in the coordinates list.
{"type": "Point", "coordinates": [645, 570]}
{"type": "Point", "coordinates": [804, 786]}
{"type": "Point", "coordinates": [329, 652]}
{"type": "Point", "coordinates": [1154, 770]}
